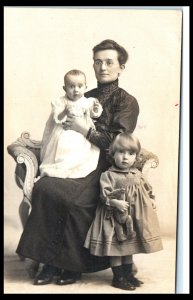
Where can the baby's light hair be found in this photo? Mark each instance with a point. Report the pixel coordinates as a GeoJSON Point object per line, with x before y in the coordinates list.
{"type": "Point", "coordinates": [74, 72]}
{"type": "Point", "coordinates": [125, 141]}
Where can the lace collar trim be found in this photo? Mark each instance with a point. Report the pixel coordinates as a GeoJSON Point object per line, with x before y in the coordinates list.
{"type": "Point", "coordinates": [108, 88]}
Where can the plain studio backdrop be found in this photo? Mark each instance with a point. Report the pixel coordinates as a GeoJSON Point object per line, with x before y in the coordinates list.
{"type": "Point", "coordinates": [41, 44]}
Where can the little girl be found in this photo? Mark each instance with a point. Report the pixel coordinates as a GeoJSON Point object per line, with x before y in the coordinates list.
{"type": "Point", "coordinates": [66, 153]}
{"type": "Point", "coordinates": [126, 222]}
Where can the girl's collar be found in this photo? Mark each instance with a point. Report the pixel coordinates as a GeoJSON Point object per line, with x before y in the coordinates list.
{"type": "Point", "coordinates": [115, 169]}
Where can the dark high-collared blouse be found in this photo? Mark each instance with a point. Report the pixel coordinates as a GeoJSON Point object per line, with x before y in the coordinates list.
{"type": "Point", "coordinates": [120, 113]}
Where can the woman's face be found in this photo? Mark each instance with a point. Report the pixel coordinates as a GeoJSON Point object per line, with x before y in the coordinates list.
{"type": "Point", "coordinates": [106, 66]}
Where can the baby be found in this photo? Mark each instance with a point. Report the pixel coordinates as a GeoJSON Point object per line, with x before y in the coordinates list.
{"type": "Point", "coordinates": [66, 153]}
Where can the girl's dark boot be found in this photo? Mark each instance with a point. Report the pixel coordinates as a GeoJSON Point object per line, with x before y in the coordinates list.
{"type": "Point", "coordinates": [119, 280]}
{"type": "Point", "coordinates": [127, 269]}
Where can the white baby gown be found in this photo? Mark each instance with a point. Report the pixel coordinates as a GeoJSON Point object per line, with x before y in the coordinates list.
{"type": "Point", "coordinates": [67, 153]}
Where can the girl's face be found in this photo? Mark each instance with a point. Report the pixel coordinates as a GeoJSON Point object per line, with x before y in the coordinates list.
{"type": "Point", "coordinates": [75, 86]}
{"type": "Point", "coordinates": [124, 158]}
{"type": "Point", "coordinates": [106, 66]}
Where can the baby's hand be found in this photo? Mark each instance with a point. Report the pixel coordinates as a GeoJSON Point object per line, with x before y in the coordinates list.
{"type": "Point", "coordinates": [96, 105]}
{"type": "Point", "coordinates": [153, 203]}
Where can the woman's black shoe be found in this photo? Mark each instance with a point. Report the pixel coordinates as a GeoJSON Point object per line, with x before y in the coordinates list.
{"type": "Point", "coordinates": [33, 269]}
{"type": "Point", "coordinates": [46, 275]}
{"type": "Point", "coordinates": [68, 277]}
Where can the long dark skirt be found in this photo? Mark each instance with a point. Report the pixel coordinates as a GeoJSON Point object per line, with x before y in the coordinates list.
{"type": "Point", "coordinates": [62, 212]}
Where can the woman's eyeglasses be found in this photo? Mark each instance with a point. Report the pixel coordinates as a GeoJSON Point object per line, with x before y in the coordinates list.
{"type": "Point", "coordinates": [108, 63]}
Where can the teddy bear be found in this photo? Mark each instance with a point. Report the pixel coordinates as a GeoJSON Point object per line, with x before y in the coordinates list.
{"type": "Point", "coordinates": [122, 218]}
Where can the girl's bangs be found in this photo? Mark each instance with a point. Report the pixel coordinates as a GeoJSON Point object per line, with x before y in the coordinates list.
{"type": "Point", "coordinates": [125, 144]}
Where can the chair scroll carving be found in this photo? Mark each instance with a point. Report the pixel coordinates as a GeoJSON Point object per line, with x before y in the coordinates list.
{"type": "Point", "coordinates": [25, 140]}
{"type": "Point", "coordinates": [25, 156]}
{"type": "Point", "coordinates": [145, 161]}
{"type": "Point", "coordinates": [25, 152]}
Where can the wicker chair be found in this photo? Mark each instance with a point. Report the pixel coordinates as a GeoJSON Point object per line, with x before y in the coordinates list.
{"type": "Point", "coordinates": [26, 153]}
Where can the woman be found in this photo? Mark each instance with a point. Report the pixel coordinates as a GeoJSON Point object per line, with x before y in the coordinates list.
{"type": "Point", "coordinates": [63, 209]}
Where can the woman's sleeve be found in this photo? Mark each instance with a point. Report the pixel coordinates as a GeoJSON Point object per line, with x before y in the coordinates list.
{"type": "Point", "coordinates": [126, 112]}
{"type": "Point", "coordinates": [124, 119]}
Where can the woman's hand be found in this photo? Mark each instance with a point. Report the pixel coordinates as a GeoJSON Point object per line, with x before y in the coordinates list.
{"type": "Point", "coordinates": [77, 124]}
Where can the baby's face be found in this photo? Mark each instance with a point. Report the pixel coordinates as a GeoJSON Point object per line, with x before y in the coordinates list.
{"type": "Point", "coordinates": [75, 86]}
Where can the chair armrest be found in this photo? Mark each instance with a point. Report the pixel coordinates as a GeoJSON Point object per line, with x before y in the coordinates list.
{"type": "Point", "coordinates": [146, 160]}
{"type": "Point", "coordinates": [26, 153]}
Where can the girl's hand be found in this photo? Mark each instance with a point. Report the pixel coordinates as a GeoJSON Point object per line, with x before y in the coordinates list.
{"type": "Point", "coordinates": [77, 124]}
{"type": "Point", "coordinates": [121, 205]}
